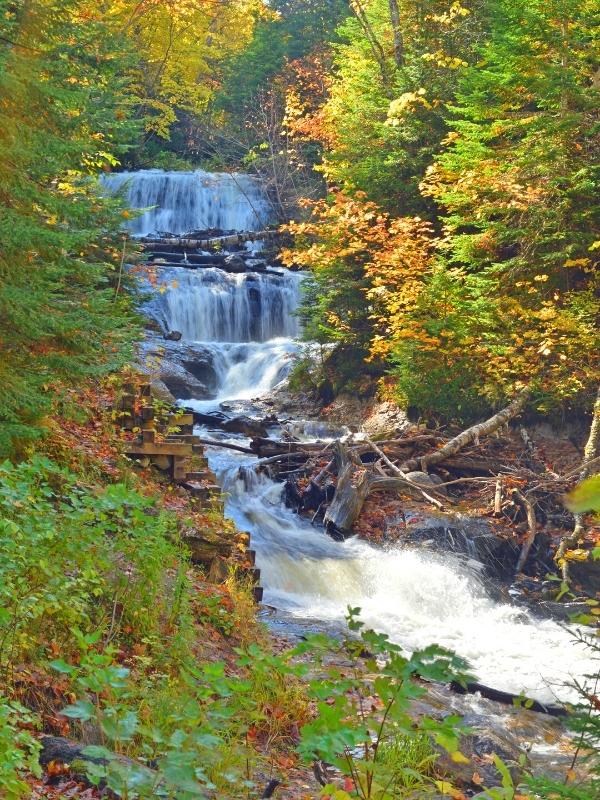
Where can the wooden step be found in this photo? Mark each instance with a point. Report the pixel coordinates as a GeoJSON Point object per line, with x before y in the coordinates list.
{"type": "Point", "coordinates": [180, 419]}
{"type": "Point", "coordinates": [255, 575]}
{"type": "Point", "coordinates": [159, 449]}
{"type": "Point", "coordinates": [257, 594]}
{"type": "Point", "coordinates": [201, 475]}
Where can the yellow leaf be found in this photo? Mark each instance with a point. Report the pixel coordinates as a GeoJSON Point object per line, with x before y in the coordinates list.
{"type": "Point", "coordinates": [459, 757]}
{"type": "Point", "coordinates": [444, 787]}
{"type": "Point", "coordinates": [576, 555]}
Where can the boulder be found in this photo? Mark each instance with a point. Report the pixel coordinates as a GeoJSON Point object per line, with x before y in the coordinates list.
{"type": "Point", "coordinates": [234, 263]}
{"type": "Point", "coordinates": [245, 425]}
{"type": "Point", "coordinates": [182, 384]}
{"type": "Point", "coordinates": [385, 421]}
{"type": "Point", "coordinates": [479, 748]}
{"type": "Point", "coordinates": [173, 336]}
{"type": "Point", "coordinates": [185, 369]}
{"type": "Point", "coordinates": [426, 481]}
{"type": "Point", "coordinates": [160, 392]}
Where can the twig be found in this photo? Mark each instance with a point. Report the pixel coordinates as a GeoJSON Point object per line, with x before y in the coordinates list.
{"type": "Point", "coordinates": [498, 498]}
{"type": "Point", "coordinates": [397, 471]}
{"type": "Point", "coordinates": [532, 526]}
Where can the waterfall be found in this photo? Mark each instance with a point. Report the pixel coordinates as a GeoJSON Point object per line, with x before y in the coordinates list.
{"type": "Point", "coordinates": [415, 596]}
{"type": "Point", "coordinates": [210, 305]}
{"type": "Point", "coordinates": [188, 201]}
{"type": "Point", "coordinates": [246, 323]}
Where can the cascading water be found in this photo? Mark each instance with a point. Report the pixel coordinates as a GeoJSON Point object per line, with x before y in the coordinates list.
{"type": "Point", "coordinates": [185, 201]}
{"type": "Point", "coordinates": [416, 597]}
{"type": "Point", "coordinates": [210, 305]}
{"type": "Point", "coordinates": [247, 322]}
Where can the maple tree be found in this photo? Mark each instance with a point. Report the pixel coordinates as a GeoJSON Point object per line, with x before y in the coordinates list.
{"type": "Point", "coordinates": [486, 128]}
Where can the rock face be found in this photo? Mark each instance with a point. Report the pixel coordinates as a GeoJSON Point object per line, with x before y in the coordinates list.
{"type": "Point", "coordinates": [187, 370]}
{"type": "Point", "coordinates": [385, 421]}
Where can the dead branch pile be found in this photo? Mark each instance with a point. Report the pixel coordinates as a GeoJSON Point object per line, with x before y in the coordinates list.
{"type": "Point", "coordinates": [333, 480]}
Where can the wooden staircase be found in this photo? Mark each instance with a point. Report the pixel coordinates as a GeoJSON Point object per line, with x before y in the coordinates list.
{"type": "Point", "coordinates": [167, 442]}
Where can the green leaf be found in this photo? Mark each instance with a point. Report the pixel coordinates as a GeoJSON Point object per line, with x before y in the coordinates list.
{"type": "Point", "coordinates": [82, 709]}
{"type": "Point", "coordinates": [585, 497]}
{"type": "Point", "coordinates": [61, 666]}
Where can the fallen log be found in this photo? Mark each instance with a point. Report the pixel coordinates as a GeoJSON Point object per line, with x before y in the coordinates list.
{"type": "Point", "coordinates": [507, 698]}
{"type": "Point", "coordinates": [226, 445]}
{"type": "Point", "coordinates": [59, 750]}
{"type": "Point", "coordinates": [212, 241]}
{"type": "Point", "coordinates": [355, 483]}
{"type": "Point", "coordinates": [264, 447]}
{"type": "Point", "coordinates": [397, 471]}
{"type": "Point", "coordinates": [472, 434]}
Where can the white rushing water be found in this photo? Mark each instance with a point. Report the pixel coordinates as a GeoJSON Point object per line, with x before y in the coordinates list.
{"type": "Point", "coordinates": [415, 596]}
{"type": "Point", "coordinates": [185, 201]}
{"type": "Point", "coordinates": [247, 322]}
{"type": "Point", "coordinates": [210, 305]}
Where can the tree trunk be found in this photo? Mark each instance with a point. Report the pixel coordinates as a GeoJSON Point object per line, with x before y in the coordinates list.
{"type": "Point", "coordinates": [231, 239]}
{"type": "Point", "coordinates": [374, 43]}
{"type": "Point", "coordinates": [355, 483]}
{"type": "Point", "coordinates": [398, 40]}
{"type": "Point", "coordinates": [590, 457]}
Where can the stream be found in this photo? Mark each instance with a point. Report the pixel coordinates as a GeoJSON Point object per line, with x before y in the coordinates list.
{"type": "Point", "coordinates": [246, 322]}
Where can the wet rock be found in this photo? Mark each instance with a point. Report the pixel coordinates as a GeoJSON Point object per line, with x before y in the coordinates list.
{"type": "Point", "coordinates": [470, 537]}
{"type": "Point", "coordinates": [187, 370]}
{"type": "Point", "coordinates": [245, 425]}
{"type": "Point", "coordinates": [234, 263]}
{"type": "Point", "coordinates": [256, 264]}
{"type": "Point", "coordinates": [426, 481]}
{"type": "Point", "coordinates": [479, 748]}
{"type": "Point", "coordinates": [173, 336]}
{"type": "Point", "coordinates": [181, 384]}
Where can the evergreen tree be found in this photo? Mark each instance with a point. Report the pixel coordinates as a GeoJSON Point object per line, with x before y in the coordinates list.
{"type": "Point", "coordinates": [64, 115]}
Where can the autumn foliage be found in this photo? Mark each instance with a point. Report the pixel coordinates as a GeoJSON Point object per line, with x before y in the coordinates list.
{"type": "Point", "coordinates": [459, 243]}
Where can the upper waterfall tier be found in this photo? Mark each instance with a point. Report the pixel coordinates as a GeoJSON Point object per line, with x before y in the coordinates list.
{"type": "Point", "coordinates": [187, 201]}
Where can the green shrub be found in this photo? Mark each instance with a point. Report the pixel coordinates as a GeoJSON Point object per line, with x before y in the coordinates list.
{"type": "Point", "coordinates": [18, 750]}
{"type": "Point", "coordinates": [75, 557]}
